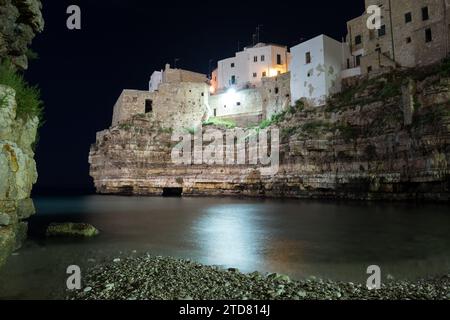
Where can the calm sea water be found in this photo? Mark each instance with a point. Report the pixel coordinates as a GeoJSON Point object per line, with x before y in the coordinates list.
{"type": "Point", "coordinates": [295, 237]}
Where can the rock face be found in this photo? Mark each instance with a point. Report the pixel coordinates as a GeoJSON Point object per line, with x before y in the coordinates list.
{"type": "Point", "coordinates": [20, 21]}
{"type": "Point", "coordinates": [17, 173]}
{"type": "Point", "coordinates": [82, 230]}
{"type": "Point", "coordinates": [384, 140]}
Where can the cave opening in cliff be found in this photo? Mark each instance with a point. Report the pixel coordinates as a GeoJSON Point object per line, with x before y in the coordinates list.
{"type": "Point", "coordinates": [172, 192]}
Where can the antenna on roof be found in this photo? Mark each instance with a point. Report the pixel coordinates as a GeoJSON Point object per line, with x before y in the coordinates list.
{"type": "Point", "coordinates": [258, 32]}
{"type": "Point", "coordinates": [254, 39]}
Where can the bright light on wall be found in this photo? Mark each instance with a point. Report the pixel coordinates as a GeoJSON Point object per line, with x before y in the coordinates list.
{"type": "Point", "coordinates": [212, 89]}
{"type": "Point", "coordinates": [273, 73]}
{"type": "Point", "coordinates": [231, 97]}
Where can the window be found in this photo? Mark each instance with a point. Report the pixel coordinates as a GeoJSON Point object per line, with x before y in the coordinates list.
{"type": "Point", "coordinates": [369, 69]}
{"type": "Point", "coordinates": [279, 59]}
{"type": "Point", "coordinates": [254, 75]}
{"type": "Point", "coordinates": [233, 79]}
{"type": "Point", "coordinates": [215, 112]}
{"type": "Point", "coordinates": [358, 39]}
{"type": "Point", "coordinates": [425, 14]}
{"type": "Point", "coordinates": [408, 40]}
{"type": "Point", "coordinates": [348, 63]}
{"type": "Point", "coordinates": [134, 99]}
{"type": "Point", "coordinates": [408, 17]}
{"type": "Point", "coordinates": [263, 58]}
{"type": "Point", "coordinates": [148, 106]}
{"type": "Point", "coordinates": [238, 103]}
{"type": "Point", "coordinates": [308, 57]}
{"type": "Point", "coordinates": [358, 60]}
{"type": "Point", "coordinates": [255, 59]}
{"type": "Point", "coordinates": [277, 90]}
{"type": "Point", "coordinates": [371, 34]}
{"type": "Point", "coordinates": [428, 35]}
{"type": "Point", "coordinates": [232, 65]}
{"type": "Point", "coordinates": [382, 31]}
{"type": "Point", "coordinates": [264, 74]}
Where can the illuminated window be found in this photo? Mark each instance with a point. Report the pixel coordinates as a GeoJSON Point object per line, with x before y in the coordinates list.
{"type": "Point", "coordinates": [264, 74]}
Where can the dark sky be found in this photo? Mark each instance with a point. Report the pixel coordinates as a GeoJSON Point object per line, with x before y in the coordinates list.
{"type": "Point", "coordinates": [81, 73]}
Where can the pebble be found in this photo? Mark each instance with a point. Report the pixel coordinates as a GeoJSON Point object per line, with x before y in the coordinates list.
{"type": "Point", "coordinates": [159, 278]}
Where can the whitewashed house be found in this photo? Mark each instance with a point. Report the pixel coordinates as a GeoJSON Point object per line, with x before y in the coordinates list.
{"type": "Point", "coordinates": [155, 80]}
{"type": "Point", "coordinates": [316, 68]}
{"type": "Point", "coordinates": [248, 67]}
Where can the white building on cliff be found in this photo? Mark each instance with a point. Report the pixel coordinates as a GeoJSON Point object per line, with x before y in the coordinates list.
{"type": "Point", "coordinates": [247, 68]}
{"type": "Point", "coordinates": [316, 68]}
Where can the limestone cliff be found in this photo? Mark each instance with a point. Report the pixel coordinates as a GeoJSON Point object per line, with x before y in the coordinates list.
{"type": "Point", "coordinates": [384, 138]}
{"type": "Point", "coordinates": [17, 172]}
{"type": "Point", "coordinates": [20, 21]}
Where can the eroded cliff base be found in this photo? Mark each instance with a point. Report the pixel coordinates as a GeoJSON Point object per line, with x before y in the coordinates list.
{"type": "Point", "coordinates": [384, 138]}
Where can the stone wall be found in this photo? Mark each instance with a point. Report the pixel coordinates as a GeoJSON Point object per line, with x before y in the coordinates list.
{"type": "Point", "coordinates": [179, 75]}
{"type": "Point", "coordinates": [403, 43]}
{"type": "Point", "coordinates": [366, 149]}
{"type": "Point", "coordinates": [178, 105]}
{"type": "Point", "coordinates": [240, 102]}
{"type": "Point", "coordinates": [276, 94]}
{"type": "Point", "coordinates": [20, 21]}
{"type": "Point", "coordinates": [17, 173]}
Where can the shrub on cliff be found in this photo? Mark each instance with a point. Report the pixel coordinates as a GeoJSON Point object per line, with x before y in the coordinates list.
{"type": "Point", "coordinates": [28, 99]}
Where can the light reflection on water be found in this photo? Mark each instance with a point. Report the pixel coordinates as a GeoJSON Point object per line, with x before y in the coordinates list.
{"type": "Point", "coordinates": [298, 238]}
{"type": "Point", "coordinates": [231, 235]}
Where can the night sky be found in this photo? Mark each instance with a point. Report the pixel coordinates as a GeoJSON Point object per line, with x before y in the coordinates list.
{"type": "Point", "coordinates": [82, 73]}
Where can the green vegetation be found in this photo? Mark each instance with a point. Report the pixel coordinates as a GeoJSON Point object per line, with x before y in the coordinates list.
{"type": "Point", "coordinates": [315, 127]}
{"type": "Point", "coordinates": [276, 118]}
{"type": "Point", "coordinates": [125, 126]}
{"type": "Point", "coordinates": [348, 132]}
{"type": "Point", "coordinates": [166, 130]}
{"type": "Point", "coordinates": [445, 68]}
{"type": "Point", "coordinates": [390, 89]}
{"type": "Point", "coordinates": [29, 104]}
{"type": "Point", "coordinates": [229, 124]}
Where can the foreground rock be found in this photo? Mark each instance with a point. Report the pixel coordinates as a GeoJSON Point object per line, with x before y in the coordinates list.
{"type": "Point", "coordinates": [17, 172]}
{"type": "Point", "coordinates": [159, 278]}
{"type": "Point", "coordinates": [82, 230]}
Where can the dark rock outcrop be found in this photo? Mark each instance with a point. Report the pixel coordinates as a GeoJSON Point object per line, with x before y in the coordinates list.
{"type": "Point", "coordinates": [20, 21]}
